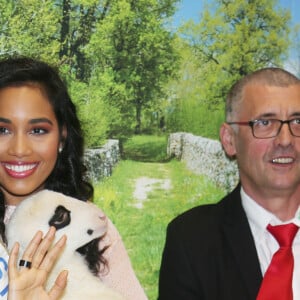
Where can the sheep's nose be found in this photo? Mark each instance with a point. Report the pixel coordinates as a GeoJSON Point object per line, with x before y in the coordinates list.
{"type": "Point", "coordinates": [102, 217]}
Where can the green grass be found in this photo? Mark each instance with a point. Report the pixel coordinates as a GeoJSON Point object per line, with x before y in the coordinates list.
{"type": "Point", "coordinates": [143, 229]}
{"type": "Point", "coordinates": [146, 148]}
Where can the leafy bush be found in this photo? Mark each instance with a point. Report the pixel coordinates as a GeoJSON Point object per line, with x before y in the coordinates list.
{"type": "Point", "coordinates": [146, 148]}
{"type": "Point", "coordinates": [92, 111]}
{"type": "Point", "coordinates": [197, 118]}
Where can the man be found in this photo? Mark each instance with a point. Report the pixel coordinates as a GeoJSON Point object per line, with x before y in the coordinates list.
{"type": "Point", "coordinates": [222, 251]}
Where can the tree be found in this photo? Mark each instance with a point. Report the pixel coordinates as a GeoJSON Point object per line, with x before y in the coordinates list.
{"type": "Point", "coordinates": [185, 112]}
{"type": "Point", "coordinates": [234, 38]}
{"type": "Point", "coordinates": [134, 44]}
{"type": "Point", "coordinates": [78, 21]}
{"type": "Point", "coordinates": [29, 28]}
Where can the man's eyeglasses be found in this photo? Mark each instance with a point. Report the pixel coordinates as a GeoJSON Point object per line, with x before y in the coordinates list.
{"type": "Point", "coordinates": [268, 128]}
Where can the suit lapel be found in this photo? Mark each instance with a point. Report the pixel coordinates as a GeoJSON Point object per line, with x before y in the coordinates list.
{"type": "Point", "coordinates": [237, 231]}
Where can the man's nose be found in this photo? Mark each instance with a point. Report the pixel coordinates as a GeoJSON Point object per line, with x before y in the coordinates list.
{"type": "Point", "coordinates": [285, 136]}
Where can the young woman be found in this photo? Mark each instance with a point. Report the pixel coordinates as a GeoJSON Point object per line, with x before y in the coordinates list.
{"type": "Point", "coordinates": [41, 146]}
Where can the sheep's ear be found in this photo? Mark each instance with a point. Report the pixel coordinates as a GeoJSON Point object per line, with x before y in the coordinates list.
{"type": "Point", "coordinates": [61, 217]}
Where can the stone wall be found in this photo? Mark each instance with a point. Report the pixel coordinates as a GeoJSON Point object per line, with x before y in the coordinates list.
{"type": "Point", "coordinates": [101, 161]}
{"type": "Point", "coordinates": [204, 156]}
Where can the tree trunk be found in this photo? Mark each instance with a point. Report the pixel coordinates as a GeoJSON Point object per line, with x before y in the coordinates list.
{"type": "Point", "coordinates": [138, 118]}
{"type": "Point", "coordinates": [65, 28]}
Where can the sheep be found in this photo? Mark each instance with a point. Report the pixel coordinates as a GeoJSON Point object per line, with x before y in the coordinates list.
{"type": "Point", "coordinates": [83, 225]}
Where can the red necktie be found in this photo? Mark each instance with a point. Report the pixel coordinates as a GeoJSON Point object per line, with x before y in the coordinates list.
{"type": "Point", "coordinates": [277, 282]}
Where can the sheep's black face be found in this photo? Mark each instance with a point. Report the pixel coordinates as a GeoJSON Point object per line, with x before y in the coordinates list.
{"type": "Point", "coordinates": [61, 217]}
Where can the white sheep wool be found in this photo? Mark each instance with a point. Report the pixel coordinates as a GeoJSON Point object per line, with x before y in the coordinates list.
{"type": "Point", "coordinates": [80, 221]}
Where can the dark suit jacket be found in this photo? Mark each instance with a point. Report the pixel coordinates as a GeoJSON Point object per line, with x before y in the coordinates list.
{"type": "Point", "coordinates": [210, 254]}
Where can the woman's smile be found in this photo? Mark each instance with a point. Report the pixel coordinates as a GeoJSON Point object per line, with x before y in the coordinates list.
{"type": "Point", "coordinates": [19, 170]}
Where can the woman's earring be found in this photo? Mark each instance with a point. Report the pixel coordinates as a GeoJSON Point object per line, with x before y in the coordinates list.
{"type": "Point", "coordinates": [60, 149]}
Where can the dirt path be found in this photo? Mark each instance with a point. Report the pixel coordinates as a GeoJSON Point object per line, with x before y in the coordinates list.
{"type": "Point", "coordinates": [144, 185]}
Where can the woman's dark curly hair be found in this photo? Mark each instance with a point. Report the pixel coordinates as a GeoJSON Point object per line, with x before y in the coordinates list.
{"type": "Point", "coordinates": [67, 176]}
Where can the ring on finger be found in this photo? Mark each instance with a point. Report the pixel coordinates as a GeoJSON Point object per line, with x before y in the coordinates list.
{"type": "Point", "coordinates": [25, 263]}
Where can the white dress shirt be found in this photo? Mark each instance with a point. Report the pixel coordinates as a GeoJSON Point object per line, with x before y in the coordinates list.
{"type": "Point", "coordinates": [266, 244]}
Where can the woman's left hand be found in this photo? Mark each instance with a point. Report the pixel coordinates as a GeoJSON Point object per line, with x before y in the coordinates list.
{"type": "Point", "coordinates": [27, 283]}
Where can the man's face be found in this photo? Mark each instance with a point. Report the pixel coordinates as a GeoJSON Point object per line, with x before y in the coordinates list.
{"type": "Point", "coordinates": [272, 165]}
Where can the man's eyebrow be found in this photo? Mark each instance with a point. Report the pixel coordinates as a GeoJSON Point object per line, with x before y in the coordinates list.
{"type": "Point", "coordinates": [4, 120]}
{"type": "Point", "coordinates": [40, 120]}
{"type": "Point", "coordinates": [296, 114]}
{"type": "Point", "coordinates": [270, 115]}
{"type": "Point", "coordinates": [266, 115]}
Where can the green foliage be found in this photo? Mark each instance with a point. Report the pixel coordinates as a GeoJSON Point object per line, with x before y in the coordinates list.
{"type": "Point", "coordinates": [231, 39]}
{"type": "Point", "coordinates": [197, 118]}
{"type": "Point", "coordinates": [92, 112]}
{"type": "Point", "coordinates": [132, 41]}
{"type": "Point", "coordinates": [146, 148]}
{"type": "Point", "coordinates": [143, 229]}
{"type": "Point", "coordinates": [120, 116]}
{"type": "Point", "coordinates": [29, 27]}
{"type": "Point", "coordinates": [234, 38]}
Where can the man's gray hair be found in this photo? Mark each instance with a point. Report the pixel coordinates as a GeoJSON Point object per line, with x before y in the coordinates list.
{"type": "Point", "coordinates": [267, 76]}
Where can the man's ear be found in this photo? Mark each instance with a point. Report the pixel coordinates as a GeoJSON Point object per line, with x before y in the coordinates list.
{"type": "Point", "coordinates": [227, 137]}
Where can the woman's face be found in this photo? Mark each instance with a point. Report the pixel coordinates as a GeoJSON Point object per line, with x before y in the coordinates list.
{"type": "Point", "coordinates": [29, 141]}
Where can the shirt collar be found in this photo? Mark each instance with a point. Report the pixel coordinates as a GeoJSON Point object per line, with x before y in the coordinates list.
{"type": "Point", "coordinates": [260, 217]}
{"type": "Point", "coordinates": [256, 214]}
